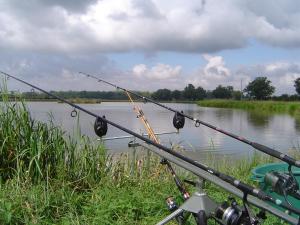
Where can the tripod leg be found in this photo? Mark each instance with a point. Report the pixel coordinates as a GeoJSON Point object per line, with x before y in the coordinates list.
{"type": "Point", "coordinates": [170, 217]}
{"type": "Point", "coordinates": [201, 218]}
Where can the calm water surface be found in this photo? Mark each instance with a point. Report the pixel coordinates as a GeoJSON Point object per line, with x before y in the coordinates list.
{"type": "Point", "coordinates": [281, 132]}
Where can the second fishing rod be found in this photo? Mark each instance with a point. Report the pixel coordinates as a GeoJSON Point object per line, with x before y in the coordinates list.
{"type": "Point", "coordinates": [243, 187]}
{"type": "Point", "coordinates": [270, 151]}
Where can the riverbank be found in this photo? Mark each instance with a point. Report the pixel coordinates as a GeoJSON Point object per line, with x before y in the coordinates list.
{"type": "Point", "coordinates": [264, 106]}
{"type": "Point", "coordinates": [50, 178]}
{"type": "Point", "coordinates": [91, 100]}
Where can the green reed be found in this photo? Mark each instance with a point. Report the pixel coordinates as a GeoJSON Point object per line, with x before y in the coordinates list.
{"type": "Point", "coordinates": [262, 106]}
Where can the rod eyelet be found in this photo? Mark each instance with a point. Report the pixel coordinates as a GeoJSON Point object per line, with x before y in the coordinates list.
{"type": "Point", "coordinates": [74, 113]}
{"type": "Point", "coordinates": [197, 123]}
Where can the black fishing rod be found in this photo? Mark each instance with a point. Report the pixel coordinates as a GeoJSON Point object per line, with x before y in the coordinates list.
{"type": "Point", "coordinates": [260, 147]}
{"type": "Point", "coordinates": [243, 187]}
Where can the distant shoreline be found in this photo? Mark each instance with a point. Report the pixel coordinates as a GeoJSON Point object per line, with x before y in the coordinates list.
{"type": "Point", "coordinates": [95, 101]}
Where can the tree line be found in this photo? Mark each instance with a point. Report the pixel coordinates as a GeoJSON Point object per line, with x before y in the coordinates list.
{"type": "Point", "coordinates": [260, 88]}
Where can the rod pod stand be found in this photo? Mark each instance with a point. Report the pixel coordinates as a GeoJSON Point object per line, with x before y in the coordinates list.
{"type": "Point", "coordinates": [198, 204]}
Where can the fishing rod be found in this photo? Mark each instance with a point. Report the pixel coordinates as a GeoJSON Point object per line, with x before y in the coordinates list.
{"type": "Point", "coordinates": [101, 129]}
{"type": "Point", "coordinates": [180, 115]}
{"type": "Point", "coordinates": [130, 136]}
{"type": "Point", "coordinates": [141, 115]}
{"type": "Point", "coordinates": [151, 134]}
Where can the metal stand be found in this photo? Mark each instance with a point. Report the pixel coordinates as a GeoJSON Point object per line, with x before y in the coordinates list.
{"type": "Point", "coordinates": [173, 215]}
{"type": "Point", "coordinates": [199, 201]}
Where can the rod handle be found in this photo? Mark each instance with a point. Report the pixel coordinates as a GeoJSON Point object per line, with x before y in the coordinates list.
{"type": "Point", "coordinates": [276, 154]}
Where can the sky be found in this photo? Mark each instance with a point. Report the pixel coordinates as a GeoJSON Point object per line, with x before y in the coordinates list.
{"type": "Point", "coordinates": [150, 44]}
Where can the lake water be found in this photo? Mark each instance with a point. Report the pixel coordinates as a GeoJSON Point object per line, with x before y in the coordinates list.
{"type": "Point", "coordinates": [281, 132]}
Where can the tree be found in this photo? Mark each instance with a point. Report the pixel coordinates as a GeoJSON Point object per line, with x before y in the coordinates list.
{"type": "Point", "coordinates": [237, 95]}
{"type": "Point", "coordinates": [162, 94]}
{"type": "Point", "coordinates": [223, 92]}
{"type": "Point", "coordinates": [189, 92]}
{"type": "Point", "coordinates": [176, 94]}
{"type": "Point", "coordinates": [200, 93]}
{"type": "Point", "coordinates": [260, 88]}
{"type": "Point", "coordinates": [297, 85]}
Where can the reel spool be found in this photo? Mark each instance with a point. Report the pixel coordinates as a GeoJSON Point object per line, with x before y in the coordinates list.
{"type": "Point", "coordinates": [100, 126]}
{"type": "Point", "coordinates": [178, 120]}
{"type": "Point", "coordinates": [228, 214]}
{"type": "Point", "coordinates": [282, 183]}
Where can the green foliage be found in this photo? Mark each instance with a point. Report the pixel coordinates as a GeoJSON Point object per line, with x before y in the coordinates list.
{"type": "Point", "coordinates": [286, 97]}
{"type": "Point", "coordinates": [262, 106]}
{"type": "Point", "coordinates": [189, 92]}
{"type": "Point", "coordinates": [297, 85]}
{"type": "Point", "coordinates": [223, 92]}
{"type": "Point", "coordinates": [162, 94]}
{"type": "Point", "coordinates": [176, 94]}
{"type": "Point", "coordinates": [257, 90]}
{"type": "Point", "coordinates": [260, 88]}
{"type": "Point", "coordinates": [237, 95]}
{"type": "Point", "coordinates": [36, 151]}
{"type": "Point", "coordinates": [200, 93]}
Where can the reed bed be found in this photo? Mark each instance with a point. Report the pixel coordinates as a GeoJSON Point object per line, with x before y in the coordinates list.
{"type": "Point", "coordinates": [265, 106]}
{"type": "Point", "coordinates": [49, 177]}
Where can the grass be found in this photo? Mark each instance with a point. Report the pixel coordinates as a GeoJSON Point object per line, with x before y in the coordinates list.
{"type": "Point", "coordinates": [265, 106]}
{"type": "Point", "coordinates": [48, 177]}
{"type": "Point", "coordinates": [84, 101]}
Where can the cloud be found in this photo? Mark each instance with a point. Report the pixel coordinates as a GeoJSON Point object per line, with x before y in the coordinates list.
{"type": "Point", "coordinates": [74, 6]}
{"type": "Point", "coordinates": [60, 72]}
{"type": "Point", "coordinates": [215, 67]}
{"type": "Point", "coordinates": [282, 74]}
{"type": "Point", "coordinates": [57, 71]}
{"type": "Point", "coordinates": [215, 73]}
{"type": "Point", "coordinates": [149, 25]}
{"type": "Point", "coordinates": [157, 72]}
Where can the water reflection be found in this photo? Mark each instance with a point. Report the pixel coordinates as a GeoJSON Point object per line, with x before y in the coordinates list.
{"type": "Point", "coordinates": [278, 131]}
{"type": "Point", "coordinates": [224, 114]}
{"type": "Point", "coordinates": [259, 119]}
{"type": "Point", "coordinates": [297, 123]}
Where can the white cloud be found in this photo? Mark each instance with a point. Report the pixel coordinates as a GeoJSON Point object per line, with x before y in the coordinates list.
{"type": "Point", "coordinates": [277, 66]}
{"type": "Point", "coordinates": [149, 25]}
{"type": "Point", "coordinates": [215, 67]}
{"type": "Point", "coordinates": [157, 72]}
{"type": "Point", "coordinates": [215, 73]}
{"type": "Point", "coordinates": [281, 74]}
{"type": "Point", "coordinates": [140, 70]}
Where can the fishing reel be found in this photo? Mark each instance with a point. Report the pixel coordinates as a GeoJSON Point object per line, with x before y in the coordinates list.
{"type": "Point", "coordinates": [100, 126]}
{"type": "Point", "coordinates": [172, 206]}
{"type": "Point", "coordinates": [204, 209]}
{"type": "Point", "coordinates": [178, 120]}
{"type": "Point", "coordinates": [231, 214]}
{"type": "Point", "coordinates": [283, 183]}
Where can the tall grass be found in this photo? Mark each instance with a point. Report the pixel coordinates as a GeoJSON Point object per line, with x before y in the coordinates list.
{"type": "Point", "coordinates": [40, 151]}
{"type": "Point", "coordinates": [48, 177]}
{"type": "Point", "coordinates": [265, 106]}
